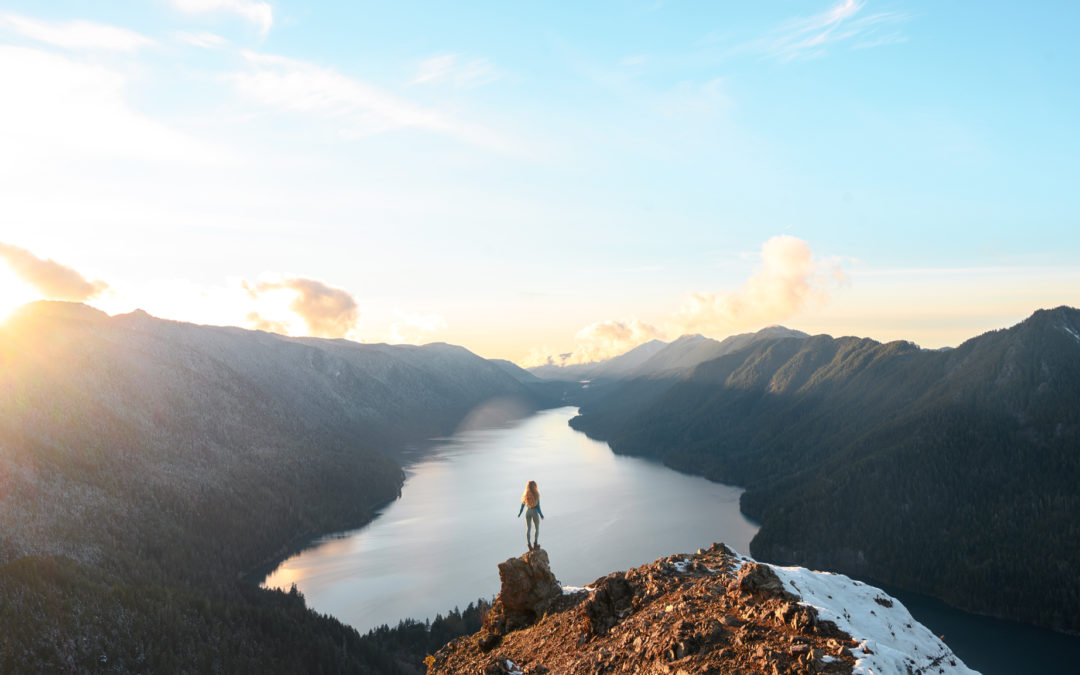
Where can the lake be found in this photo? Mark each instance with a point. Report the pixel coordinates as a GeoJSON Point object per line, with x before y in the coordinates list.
{"type": "Point", "coordinates": [438, 546]}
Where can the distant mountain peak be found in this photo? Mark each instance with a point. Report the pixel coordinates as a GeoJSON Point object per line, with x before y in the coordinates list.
{"type": "Point", "coordinates": [777, 330]}
{"type": "Point", "coordinates": [1061, 316]}
{"type": "Point", "coordinates": [690, 338]}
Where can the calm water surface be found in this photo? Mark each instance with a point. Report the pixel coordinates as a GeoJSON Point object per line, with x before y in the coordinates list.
{"type": "Point", "coordinates": [437, 546]}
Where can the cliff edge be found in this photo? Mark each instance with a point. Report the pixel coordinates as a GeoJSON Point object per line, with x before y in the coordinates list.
{"type": "Point", "coordinates": [708, 612]}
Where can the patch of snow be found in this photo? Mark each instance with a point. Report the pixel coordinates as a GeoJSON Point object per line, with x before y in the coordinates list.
{"type": "Point", "coordinates": [513, 668]}
{"type": "Point", "coordinates": [680, 565]}
{"type": "Point", "coordinates": [570, 590]}
{"type": "Point", "coordinates": [1071, 332]}
{"type": "Point", "coordinates": [890, 639]}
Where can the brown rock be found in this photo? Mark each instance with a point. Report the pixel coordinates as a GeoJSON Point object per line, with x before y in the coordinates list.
{"type": "Point", "coordinates": [757, 578]}
{"type": "Point", "coordinates": [719, 621]}
{"type": "Point", "coordinates": [528, 590]}
{"type": "Point", "coordinates": [610, 603]}
{"type": "Point", "coordinates": [488, 641]}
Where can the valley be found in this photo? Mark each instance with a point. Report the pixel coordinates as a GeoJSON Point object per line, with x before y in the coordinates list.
{"type": "Point", "coordinates": [147, 466]}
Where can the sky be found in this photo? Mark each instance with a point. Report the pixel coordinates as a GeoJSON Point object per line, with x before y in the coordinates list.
{"type": "Point", "coordinates": [544, 182]}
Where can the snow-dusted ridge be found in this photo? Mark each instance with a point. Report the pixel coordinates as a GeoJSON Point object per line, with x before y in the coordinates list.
{"type": "Point", "coordinates": [712, 611]}
{"type": "Point", "coordinates": [890, 639]}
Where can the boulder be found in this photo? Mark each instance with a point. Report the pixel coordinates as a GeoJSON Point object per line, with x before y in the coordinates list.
{"type": "Point", "coordinates": [529, 589]}
{"type": "Point", "coordinates": [755, 578]}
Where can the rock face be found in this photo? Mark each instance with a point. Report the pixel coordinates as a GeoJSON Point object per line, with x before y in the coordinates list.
{"type": "Point", "coordinates": [710, 612]}
{"type": "Point", "coordinates": [529, 590]}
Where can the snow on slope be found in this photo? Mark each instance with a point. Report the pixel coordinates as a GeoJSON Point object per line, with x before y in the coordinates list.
{"type": "Point", "coordinates": [890, 639]}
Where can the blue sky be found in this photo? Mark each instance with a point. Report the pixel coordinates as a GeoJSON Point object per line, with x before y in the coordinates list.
{"type": "Point", "coordinates": [537, 179]}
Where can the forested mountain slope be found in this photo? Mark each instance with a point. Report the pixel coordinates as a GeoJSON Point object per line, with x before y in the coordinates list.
{"type": "Point", "coordinates": [951, 473]}
{"type": "Point", "coordinates": [137, 453]}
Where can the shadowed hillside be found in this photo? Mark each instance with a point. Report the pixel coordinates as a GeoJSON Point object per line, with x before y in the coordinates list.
{"type": "Point", "coordinates": [145, 464]}
{"type": "Point", "coordinates": [952, 473]}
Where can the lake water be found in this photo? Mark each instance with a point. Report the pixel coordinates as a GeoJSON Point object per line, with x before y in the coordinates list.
{"type": "Point", "coordinates": [438, 546]}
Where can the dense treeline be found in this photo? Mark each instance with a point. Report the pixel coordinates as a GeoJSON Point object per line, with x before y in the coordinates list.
{"type": "Point", "coordinates": [147, 466]}
{"type": "Point", "coordinates": [951, 473]}
{"type": "Point", "coordinates": [411, 641]}
{"type": "Point", "coordinates": [97, 624]}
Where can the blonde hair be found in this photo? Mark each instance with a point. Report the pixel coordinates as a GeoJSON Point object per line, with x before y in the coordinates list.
{"type": "Point", "coordinates": [531, 496]}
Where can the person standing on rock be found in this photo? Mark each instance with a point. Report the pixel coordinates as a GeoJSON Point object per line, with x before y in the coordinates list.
{"type": "Point", "coordinates": [531, 500]}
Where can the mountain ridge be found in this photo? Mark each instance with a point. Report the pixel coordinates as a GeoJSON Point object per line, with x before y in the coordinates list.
{"type": "Point", "coordinates": [142, 453]}
{"type": "Point", "coordinates": [656, 358]}
{"type": "Point", "coordinates": [855, 454]}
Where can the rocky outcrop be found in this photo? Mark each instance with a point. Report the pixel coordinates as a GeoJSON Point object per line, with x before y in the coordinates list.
{"type": "Point", "coordinates": [709, 612]}
{"type": "Point", "coordinates": [529, 591]}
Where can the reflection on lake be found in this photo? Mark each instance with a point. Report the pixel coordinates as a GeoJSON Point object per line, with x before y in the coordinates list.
{"type": "Point", "coordinates": [437, 546]}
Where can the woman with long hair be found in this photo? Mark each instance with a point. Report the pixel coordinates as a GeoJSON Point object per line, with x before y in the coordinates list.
{"type": "Point", "coordinates": [531, 500]}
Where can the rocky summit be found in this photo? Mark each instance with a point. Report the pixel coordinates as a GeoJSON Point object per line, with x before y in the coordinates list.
{"type": "Point", "coordinates": [709, 612]}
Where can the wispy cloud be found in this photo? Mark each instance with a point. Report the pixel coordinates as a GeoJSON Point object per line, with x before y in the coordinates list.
{"type": "Point", "coordinates": [202, 39]}
{"type": "Point", "coordinates": [48, 277]}
{"type": "Point", "coordinates": [327, 311]}
{"type": "Point", "coordinates": [259, 13]}
{"type": "Point", "coordinates": [357, 108]}
{"type": "Point", "coordinates": [453, 69]}
{"type": "Point", "coordinates": [846, 21]}
{"type": "Point", "coordinates": [76, 34]}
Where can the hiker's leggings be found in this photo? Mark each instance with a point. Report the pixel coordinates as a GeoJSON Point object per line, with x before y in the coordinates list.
{"type": "Point", "coordinates": [532, 517]}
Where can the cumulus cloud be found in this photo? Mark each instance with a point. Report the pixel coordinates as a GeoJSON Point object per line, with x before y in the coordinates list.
{"type": "Point", "coordinates": [788, 279]}
{"type": "Point", "coordinates": [605, 339]}
{"type": "Point", "coordinates": [76, 34]}
{"type": "Point", "coordinates": [414, 329]}
{"type": "Point", "coordinates": [48, 277]}
{"type": "Point", "coordinates": [327, 311]}
{"type": "Point", "coordinates": [259, 13]}
{"type": "Point", "coordinates": [598, 341]}
{"type": "Point", "coordinates": [259, 322]}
